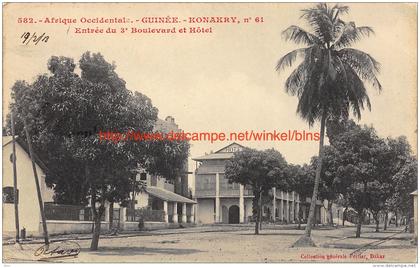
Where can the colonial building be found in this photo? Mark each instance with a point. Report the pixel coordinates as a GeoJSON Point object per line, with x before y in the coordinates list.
{"type": "Point", "coordinates": [180, 185]}
{"type": "Point", "coordinates": [161, 195]}
{"type": "Point", "coordinates": [219, 201]}
{"type": "Point", "coordinates": [162, 204]}
{"type": "Point", "coordinates": [27, 198]}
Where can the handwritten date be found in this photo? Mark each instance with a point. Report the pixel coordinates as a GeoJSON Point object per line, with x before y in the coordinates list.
{"type": "Point", "coordinates": [34, 38]}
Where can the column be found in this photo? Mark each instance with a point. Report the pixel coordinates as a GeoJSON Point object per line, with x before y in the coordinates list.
{"type": "Point", "coordinates": [281, 206]}
{"type": "Point", "coordinates": [175, 213]}
{"type": "Point", "coordinates": [217, 199]}
{"type": "Point", "coordinates": [241, 204]}
{"type": "Point", "coordinates": [107, 207]}
{"type": "Point", "coordinates": [123, 212]}
{"type": "Point", "coordinates": [297, 205]}
{"type": "Point", "coordinates": [165, 209]}
{"type": "Point", "coordinates": [184, 213]}
{"type": "Point", "coordinates": [287, 208]}
{"type": "Point", "coordinates": [195, 206]}
{"type": "Point", "coordinates": [107, 214]}
{"type": "Point", "coordinates": [191, 219]}
{"type": "Point", "coordinates": [274, 204]}
{"type": "Point", "coordinates": [293, 206]}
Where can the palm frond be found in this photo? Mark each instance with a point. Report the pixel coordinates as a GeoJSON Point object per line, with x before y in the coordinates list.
{"type": "Point", "coordinates": [331, 78]}
{"type": "Point", "coordinates": [346, 92]}
{"type": "Point", "coordinates": [296, 80]}
{"type": "Point", "coordinates": [321, 20]}
{"type": "Point", "coordinates": [288, 59]}
{"type": "Point", "coordinates": [351, 34]}
{"type": "Point", "coordinates": [311, 102]}
{"type": "Point", "coordinates": [340, 9]}
{"type": "Point", "coordinates": [363, 64]}
{"type": "Point", "coordinates": [300, 36]}
{"type": "Point", "coordinates": [356, 91]}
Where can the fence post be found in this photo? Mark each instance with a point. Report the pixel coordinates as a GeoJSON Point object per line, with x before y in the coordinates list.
{"type": "Point", "coordinates": [107, 221]}
{"type": "Point", "coordinates": [123, 212]}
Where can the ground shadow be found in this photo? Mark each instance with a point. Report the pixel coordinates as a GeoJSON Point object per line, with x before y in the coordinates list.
{"type": "Point", "coordinates": [130, 251]}
{"type": "Point", "coordinates": [355, 246]}
{"type": "Point", "coordinates": [273, 234]}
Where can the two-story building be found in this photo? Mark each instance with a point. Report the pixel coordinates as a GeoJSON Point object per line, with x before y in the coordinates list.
{"type": "Point", "coordinates": [161, 195]}
{"type": "Point", "coordinates": [219, 201]}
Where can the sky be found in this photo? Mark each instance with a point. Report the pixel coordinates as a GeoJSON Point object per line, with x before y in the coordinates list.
{"type": "Point", "coordinates": [222, 81]}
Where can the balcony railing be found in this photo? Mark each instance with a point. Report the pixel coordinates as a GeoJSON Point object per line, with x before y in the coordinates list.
{"type": "Point", "coordinates": [229, 192]}
{"type": "Point", "coordinates": [203, 193]}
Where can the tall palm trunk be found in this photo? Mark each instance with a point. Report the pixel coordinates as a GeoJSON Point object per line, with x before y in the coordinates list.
{"type": "Point", "coordinates": [306, 240]}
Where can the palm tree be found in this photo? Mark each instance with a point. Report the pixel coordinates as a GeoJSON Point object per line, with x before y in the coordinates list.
{"type": "Point", "coordinates": [330, 80]}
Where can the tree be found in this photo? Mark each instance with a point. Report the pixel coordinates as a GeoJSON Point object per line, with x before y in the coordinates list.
{"type": "Point", "coordinates": [403, 172]}
{"type": "Point", "coordinates": [300, 179]}
{"type": "Point", "coordinates": [259, 170]}
{"type": "Point", "coordinates": [330, 79]}
{"type": "Point", "coordinates": [406, 182]}
{"type": "Point", "coordinates": [362, 160]}
{"type": "Point", "coordinates": [65, 112]}
{"type": "Point", "coordinates": [332, 187]}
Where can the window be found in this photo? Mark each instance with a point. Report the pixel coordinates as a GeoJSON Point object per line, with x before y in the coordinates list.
{"type": "Point", "coordinates": [8, 195]}
{"type": "Point", "coordinates": [143, 176]}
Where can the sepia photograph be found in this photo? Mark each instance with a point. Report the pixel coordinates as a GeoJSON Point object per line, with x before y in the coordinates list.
{"type": "Point", "coordinates": [210, 133]}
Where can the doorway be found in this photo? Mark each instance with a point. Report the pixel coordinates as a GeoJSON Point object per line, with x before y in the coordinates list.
{"type": "Point", "coordinates": [234, 214]}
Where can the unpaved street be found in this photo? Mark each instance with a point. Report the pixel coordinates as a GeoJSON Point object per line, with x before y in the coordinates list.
{"type": "Point", "coordinates": [236, 244]}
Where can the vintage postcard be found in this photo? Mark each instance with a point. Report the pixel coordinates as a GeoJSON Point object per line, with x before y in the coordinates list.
{"type": "Point", "coordinates": [210, 132]}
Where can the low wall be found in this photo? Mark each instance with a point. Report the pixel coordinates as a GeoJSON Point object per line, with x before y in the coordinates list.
{"type": "Point", "coordinates": [56, 227]}
{"type": "Point", "coordinates": [71, 227]}
{"type": "Point", "coordinates": [148, 225]}
{"type": "Point", "coordinates": [153, 225]}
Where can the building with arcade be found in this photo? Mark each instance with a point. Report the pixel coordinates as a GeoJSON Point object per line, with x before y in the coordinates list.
{"type": "Point", "coordinates": [219, 201]}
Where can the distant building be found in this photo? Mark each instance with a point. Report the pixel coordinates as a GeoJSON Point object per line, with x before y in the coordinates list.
{"type": "Point", "coordinates": [161, 194]}
{"type": "Point", "coordinates": [219, 201]}
{"type": "Point", "coordinates": [415, 206]}
{"type": "Point", "coordinates": [180, 185]}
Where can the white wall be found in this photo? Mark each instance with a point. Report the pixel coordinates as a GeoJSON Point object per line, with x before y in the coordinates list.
{"type": "Point", "coordinates": [205, 213]}
{"type": "Point", "coordinates": [248, 208]}
{"type": "Point", "coordinates": [29, 215]}
{"type": "Point", "coordinates": [142, 199]}
{"type": "Point", "coordinates": [72, 227]}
